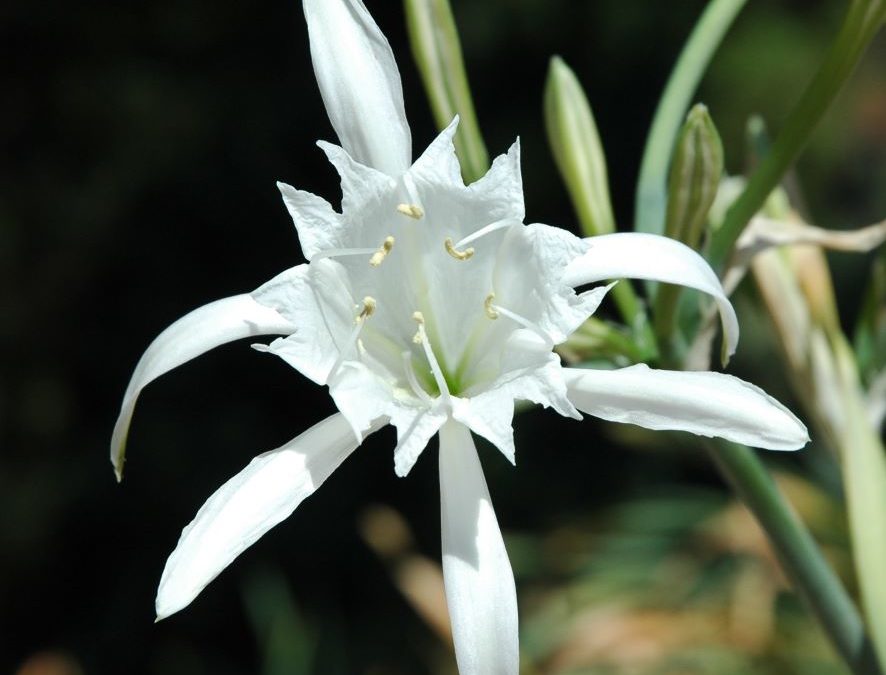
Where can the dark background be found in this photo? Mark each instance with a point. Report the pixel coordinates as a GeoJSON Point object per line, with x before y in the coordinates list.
{"type": "Point", "coordinates": [139, 146]}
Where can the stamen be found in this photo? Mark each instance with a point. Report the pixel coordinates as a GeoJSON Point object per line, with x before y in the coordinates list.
{"type": "Point", "coordinates": [483, 231]}
{"type": "Point", "coordinates": [417, 389]}
{"type": "Point", "coordinates": [467, 254]}
{"type": "Point", "coordinates": [411, 210]}
{"type": "Point", "coordinates": [369, 305]}
{"type": "Point", "coordinates": [382, 253]}
{"type": "Point", "coordinates": [487, 305]}
{"type": "Point", "coordinates": [498, 310]}
{"type": "Point", "coordinates": [378, 254]}
{"type": "Point", "coordinates": [421, 337]}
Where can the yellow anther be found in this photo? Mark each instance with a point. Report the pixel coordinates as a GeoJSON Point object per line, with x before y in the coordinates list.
{"type": "Point", "coordinates": [382, 252]}
{"type": "Point", "coordinates": [491, 312]}
{"type": "Point", "coordinates": [419, 318]}
{"type": "Point", "coordinates": [368, 308]}
{"type": "Point", "coordinates": [455, 253]}
{"type": "Point", "coordinates": [411, 210]}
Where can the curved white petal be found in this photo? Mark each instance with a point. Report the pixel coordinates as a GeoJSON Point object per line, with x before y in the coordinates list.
{"type": "Point", "coordinates": [264, 493]}
{"type": "Point", "coordinates": [195, 333]}
{"type": "Point", "coordinates": [707, 404]}
{"type": "Point", "coordinates": [637, 255]}
{"type": "Point", "coordinates": [476, 571]}
{"type": "Point", "coordinates": [360, 84]}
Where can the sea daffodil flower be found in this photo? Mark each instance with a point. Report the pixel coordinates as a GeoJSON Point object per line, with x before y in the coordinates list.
{"type": "Point", "coordinates": [429, 305]}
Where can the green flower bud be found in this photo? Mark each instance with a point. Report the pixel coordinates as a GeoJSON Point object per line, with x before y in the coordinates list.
{"type": "Point", "coordinates": [694, 177]}
{"type": "Point", "coordinates": [577, 150]}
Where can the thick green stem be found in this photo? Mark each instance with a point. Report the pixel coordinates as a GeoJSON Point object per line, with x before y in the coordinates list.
{"type": "Point", "coordinates": [862, 22]}
{"type": "Point", "coordinates": [798, 554]}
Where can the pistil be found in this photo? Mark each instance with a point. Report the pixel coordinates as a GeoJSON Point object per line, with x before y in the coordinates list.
{"type": "Point", "coordinates": [421, 337]}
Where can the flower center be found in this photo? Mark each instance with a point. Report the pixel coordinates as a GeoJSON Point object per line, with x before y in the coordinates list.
{"type": "Point", "coordinates": [459, 339]}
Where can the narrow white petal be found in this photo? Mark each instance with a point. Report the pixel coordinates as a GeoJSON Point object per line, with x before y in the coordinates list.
{"type": "Point", "coordinates": [707, 404]}
{"type": "Point", "coordinates": [360, 84]}
{"type": "Point", "coordinates": [476, 571]}
{"type": "Point", "coordinates": [264, 493]}
{"type": "Point", "coordinates": [195, 333]}
{"type": "Point", "coordinates": [637, 255]}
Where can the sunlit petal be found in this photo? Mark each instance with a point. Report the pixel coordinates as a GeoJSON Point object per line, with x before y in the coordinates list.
{"type": "Point", "coordinates": [360, 84]}
{"type": "Point", "coordinates": [476, 571]}
{"type": "Point", "coordinates": [268, 490]}
{"type": "Point", "coordinates": [636, 255]}
{"type": "Point", "coordinates": [707, 404]}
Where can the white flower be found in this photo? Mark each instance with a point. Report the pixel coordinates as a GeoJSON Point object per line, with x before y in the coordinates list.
{"type": "Point", "coordinates": [429, 305]}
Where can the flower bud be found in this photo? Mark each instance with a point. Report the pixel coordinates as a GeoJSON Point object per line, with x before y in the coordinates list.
{"type": "Point", "coordinates": [695, 174]}
{"type": "Point", "coordinates": [577, 150]}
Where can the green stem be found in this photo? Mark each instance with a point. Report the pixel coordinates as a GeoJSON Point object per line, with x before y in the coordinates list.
{"type": "Point", "coordinates": [798, 554]}
{"type": "Point", "coordinates": [437, 52]}
{"type": "Point", "coordinates": [862, 22]}
{"type": "Point", "coordinates": [669, 116]}
{"type": "Point", "coordinates": [665, 320]}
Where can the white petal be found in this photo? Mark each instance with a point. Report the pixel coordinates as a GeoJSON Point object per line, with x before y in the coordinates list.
{"type": "Point", "coordinates": [502, 186]}
{"type": "Point", "coordinates": [415, 427]}
{"type": "Point", "coordinates": [316, 298]}
{"type": "Point", "coordinates": [529, 279]}
{"type": "Point", "coordinates": [707, 404]}
{"type": "Point", "coordinates": [476, 571]}
{"type": "Point", "coordinates": [438, 165]}
{"type": "Point", "coordinates": [360, 395]}
{"type": "Point", "coordinates": [319, 226]}
{"type": "Point", "coordinates": [264, 493]}
{"type": "Point", "coordinates": [195, 333]}
{"type": "Point", "coordinates": [638, 255]}
{"type": "Point", "coordinates": [490, 415]}
{"type": "Point", "coordinates": [361, 185]}
{"type": "Point", "coordinates": [360, 84]}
